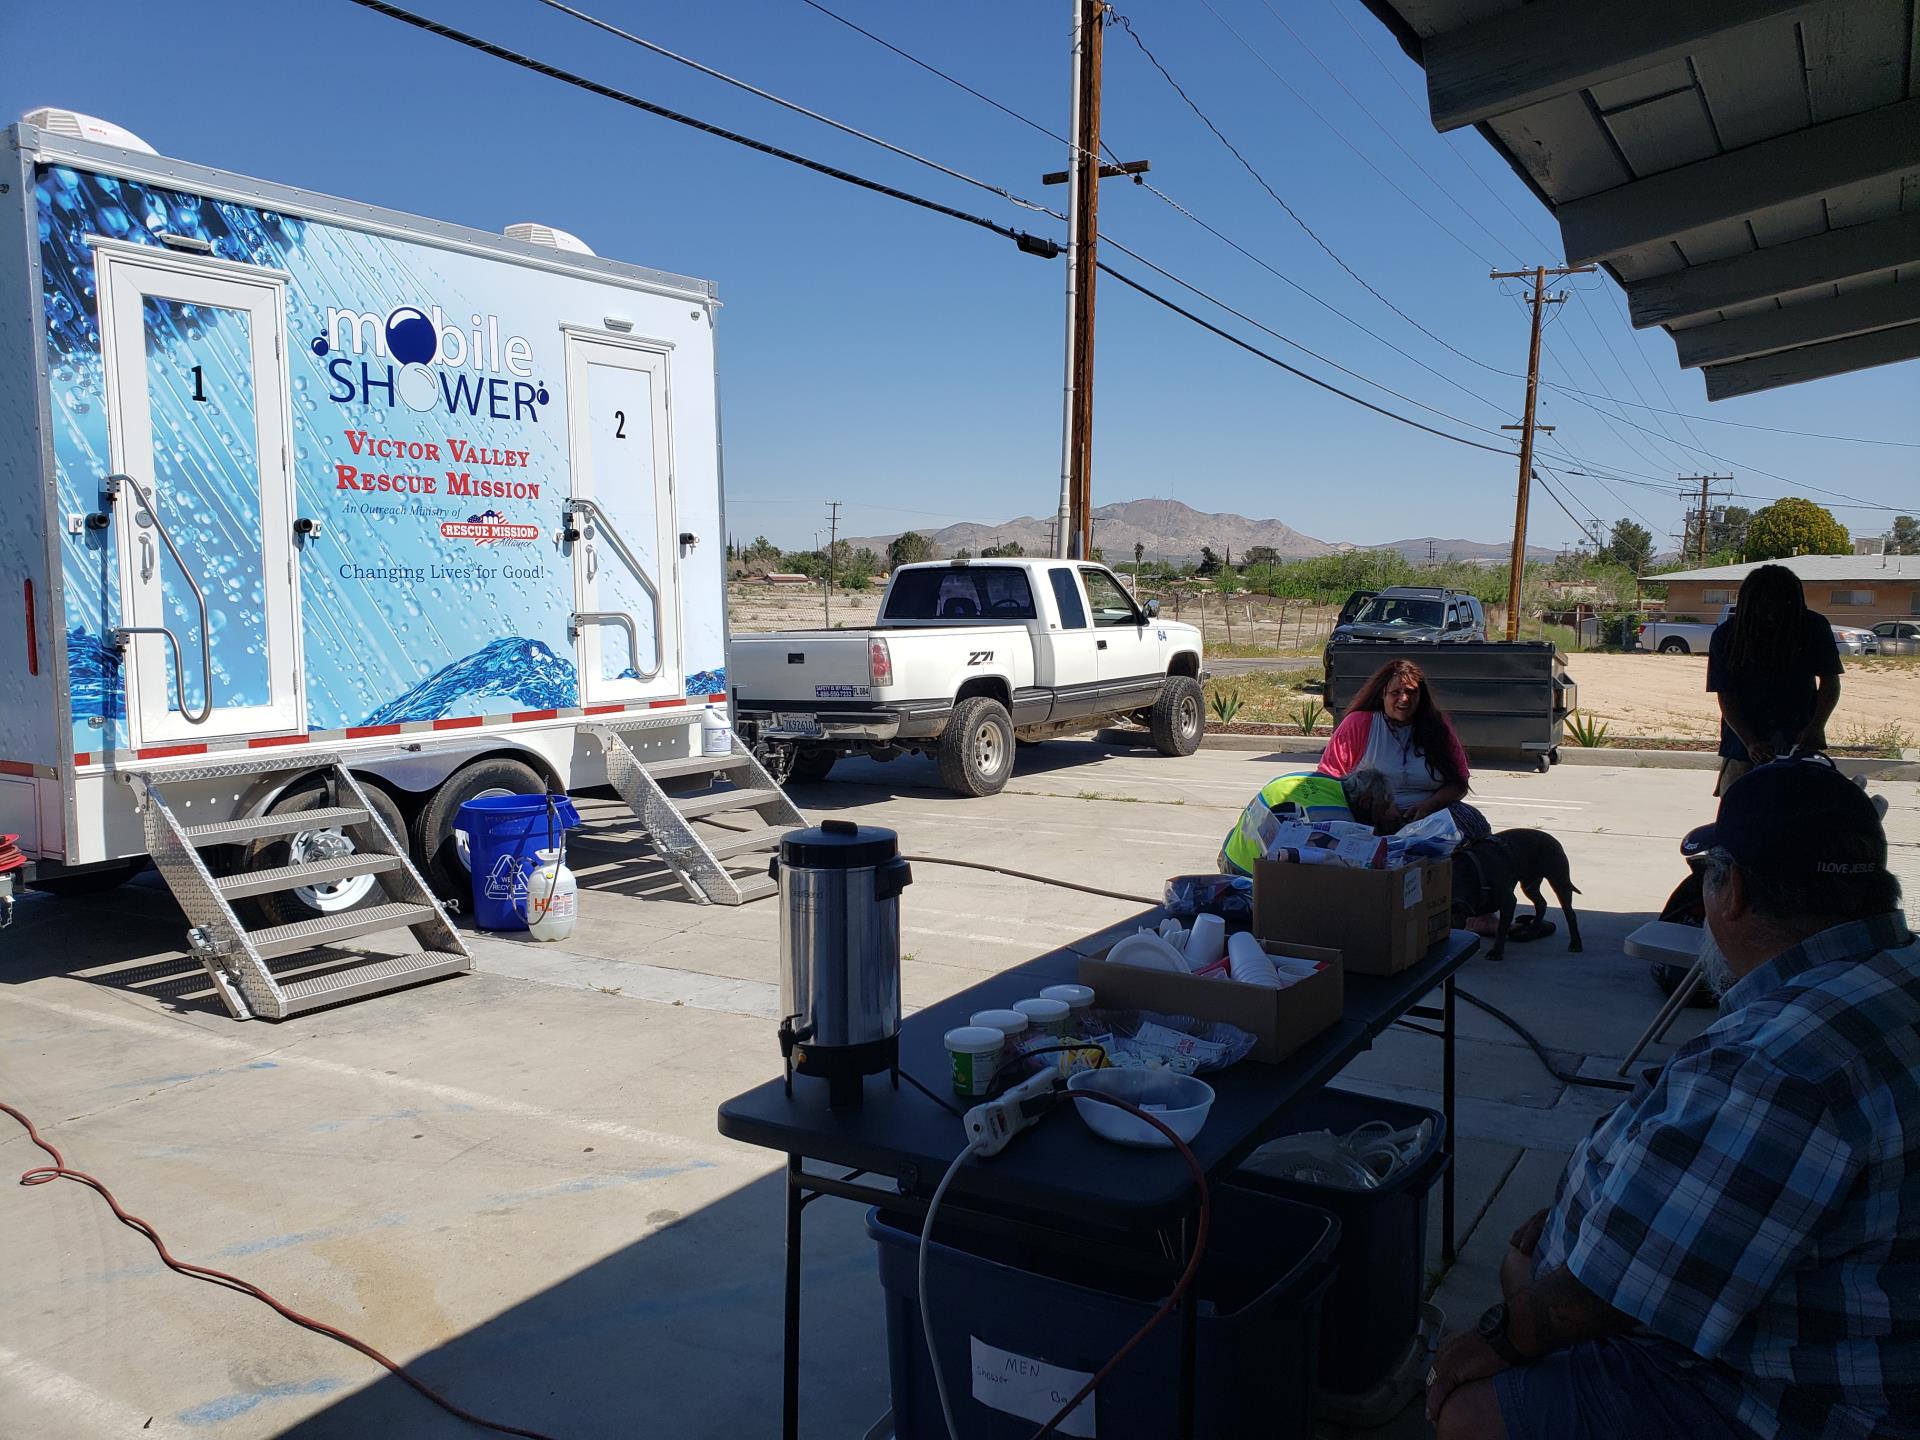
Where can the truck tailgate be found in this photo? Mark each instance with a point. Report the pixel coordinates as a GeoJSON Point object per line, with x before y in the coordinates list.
{"type": "Point", "coordinates": [797, 669]}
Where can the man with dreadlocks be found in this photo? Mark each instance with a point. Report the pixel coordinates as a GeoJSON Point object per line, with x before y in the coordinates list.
{"type": "Point", "coordinates": [1776, 670]}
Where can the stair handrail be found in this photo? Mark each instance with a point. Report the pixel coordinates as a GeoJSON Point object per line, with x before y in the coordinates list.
{"type": "Point", "coordinates": [112, 485]}
{"type": "Point", "coordinates": [584, 505]}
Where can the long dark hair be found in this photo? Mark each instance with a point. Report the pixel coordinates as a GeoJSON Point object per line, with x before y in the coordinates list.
{"type": "Point", "coordinates": [1768, 619]}
{"type": "Point", "coordinates": [1432, 731]}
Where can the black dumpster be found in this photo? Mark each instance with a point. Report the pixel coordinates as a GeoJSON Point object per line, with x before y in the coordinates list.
{"type": "Point", "coordinates": [1506, 701]}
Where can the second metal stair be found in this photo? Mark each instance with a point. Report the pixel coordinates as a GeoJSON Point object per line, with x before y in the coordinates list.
{"type": "Point", "coordinates": [704, 838]}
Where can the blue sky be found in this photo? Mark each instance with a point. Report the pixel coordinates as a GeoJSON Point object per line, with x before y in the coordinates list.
{"type": "Point", "coordinates": [908, 365]}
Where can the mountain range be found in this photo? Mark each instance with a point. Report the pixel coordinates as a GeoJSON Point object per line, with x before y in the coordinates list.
{"type": "Point", "coordinates": [1172, 531]}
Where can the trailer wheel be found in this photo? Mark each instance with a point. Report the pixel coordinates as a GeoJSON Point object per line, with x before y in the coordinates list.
{"type": "Point", "coordinates": [436, 849]}
{"type": "Point", "coordinates": [309, 902]}
{"type": "Point", "coordinates": [810, 765]}
{"type": "Point", "coordinates": [1179, 717]}
{"type": "Point", "coordinates": [1674, 645]}
{"type": "Point", "coordinates": [976, 748]}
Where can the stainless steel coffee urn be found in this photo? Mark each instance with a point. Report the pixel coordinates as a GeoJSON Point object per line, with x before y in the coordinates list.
{"type": "Point", "coordinates": [840, 887]}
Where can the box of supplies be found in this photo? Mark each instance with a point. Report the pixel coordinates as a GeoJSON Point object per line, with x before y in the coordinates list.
{"type": "Point", "coordinates": [1281, 1021]}
{"type": "Point", "coordinates": [1380, 920]}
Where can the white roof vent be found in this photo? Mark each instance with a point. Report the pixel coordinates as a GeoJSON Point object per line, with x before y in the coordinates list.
{"type": "Point", "coordinates": [532, 232]}
{"type": "Point", "coordinates": [75, 126]}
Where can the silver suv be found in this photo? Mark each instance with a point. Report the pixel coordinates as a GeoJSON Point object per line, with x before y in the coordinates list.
{"type": "Point", "coordinates": [1412, 615]}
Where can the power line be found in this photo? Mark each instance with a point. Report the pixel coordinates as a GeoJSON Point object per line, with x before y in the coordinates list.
{"type": "Point", "coordinates": [1031, 244]}
{"type": "Point", "coordinates": [1392, 139]}
{"type": "Point", "coordinates": [1252, 349]}
{"type": "Point", "coordinates": [1339, 134]}
{"type": "Point", "coordinates": [645, 44]}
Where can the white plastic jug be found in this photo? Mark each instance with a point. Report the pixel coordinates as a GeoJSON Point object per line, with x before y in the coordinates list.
{"type": "Point", "coordinates": [552, 898]}
{"type": "Point", "coordinates": [716, 733]}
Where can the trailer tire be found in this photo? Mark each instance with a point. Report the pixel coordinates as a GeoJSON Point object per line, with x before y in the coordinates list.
{"type": "Point", "coordinates": [976, 747]}
{"type": "Point", "coordinates": [1674, 645]}
{"type": "Point", "coordinates": [435, 850]}
{"type": "Point", "coordinates": [289, 907]}
{"type": "Point", "coordinates": [1178, 719]}
{"type": "Point", "coordinates": [811, 763]}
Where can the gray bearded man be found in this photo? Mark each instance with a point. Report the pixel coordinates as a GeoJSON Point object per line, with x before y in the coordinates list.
{"type": "Point", "coordinates": [1734, 1253]}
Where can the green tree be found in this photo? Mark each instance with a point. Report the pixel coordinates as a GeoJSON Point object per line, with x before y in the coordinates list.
{"type": "Point", "coordinates": [856, 572]}
{"type": "Point", "coordinates": [1727, 530]}
{"type": "Point", "coordinates": [963, 554]}
{"type": "Point", "coordinates": [1260, 555]}
{"type": "Point", "coordinates": [1795, 527]}
{"type": "Point", "coordinates": [1629, 545]}
{"type": "Point", "coordinates": [1905, 538]}
{"type": "Point", "coordinates": [909, 549]}
{"type": "Point", "coordinates": [761, 556]}
{"type": "Point", "coordinates": [1209, 562]}
{"type": "Point", "coordinates": [1011, 550]}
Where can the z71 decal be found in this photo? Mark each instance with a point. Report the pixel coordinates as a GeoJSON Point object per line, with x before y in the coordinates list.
{"type": "Point", "coordinates": [979, 657]}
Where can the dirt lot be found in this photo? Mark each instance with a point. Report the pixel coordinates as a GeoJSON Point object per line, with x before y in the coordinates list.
{"type": "Point", "coordinates": [1665, 695]}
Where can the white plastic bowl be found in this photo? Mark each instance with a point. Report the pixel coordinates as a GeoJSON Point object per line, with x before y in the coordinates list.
{"type": "Point", "coordinates": [1184, 1099]}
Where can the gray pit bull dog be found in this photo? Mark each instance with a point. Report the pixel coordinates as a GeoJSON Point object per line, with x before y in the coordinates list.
{"type": "Point", "coordinates": [1484, 877]}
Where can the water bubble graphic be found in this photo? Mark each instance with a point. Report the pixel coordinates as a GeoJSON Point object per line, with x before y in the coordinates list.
{"type": "Point", "coordinates": [411, 338]}
{"type": "Point", "coordinates": [320, 345]}
{"type": "Point", "coordinates": [541, 394]}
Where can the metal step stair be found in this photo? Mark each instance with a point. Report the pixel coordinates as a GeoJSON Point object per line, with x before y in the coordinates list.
{"type": "Point", "coordinates": [235, 956]}
{"type": "Point", "coordinates": [704, 858]}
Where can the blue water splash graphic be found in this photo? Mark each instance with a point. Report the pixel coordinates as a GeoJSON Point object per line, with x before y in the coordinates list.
{"type": "Point", "coordinates": [707, 682]}
{"type": "Point", "coordinates": [94, 676]}
{"type": "Point", "coordinates": [516, 668]}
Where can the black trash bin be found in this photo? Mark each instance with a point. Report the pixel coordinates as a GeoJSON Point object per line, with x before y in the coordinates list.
{"type": "Point", "coordinates": [1373, 1310]}
{"type": "Point", "coordinates": [1268, 1262]}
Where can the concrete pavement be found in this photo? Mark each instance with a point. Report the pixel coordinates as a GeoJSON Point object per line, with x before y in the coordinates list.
{"type": "Point", "coordinates": [512, 1180]}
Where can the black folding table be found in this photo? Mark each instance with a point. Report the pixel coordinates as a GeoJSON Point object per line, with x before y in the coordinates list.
{"type": "Point", "coordinates": [1059, 1180]}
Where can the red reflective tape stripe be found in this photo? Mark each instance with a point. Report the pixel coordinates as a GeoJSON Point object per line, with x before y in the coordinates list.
{"type": "Point", "coordinates": [33, 640]}
{"type": "Point", "coordinates": [666, 704]}
{"type": "Point", "coordinates": [83, 757]}
{"type": "Point", "coordinates": [520, 715]}
{"type": "Point", "coordinates": [367, 732]}
{"type": "Point", "coordinates": [717, 699]}
{"type": "Point", "coordinates": [267, 740]}
{"type": "Point", "coordinates": [462, 722]}
{"type": "Point", "coordinates": [603, 709]}
{"type": "Point", "coordinates": [163, 752]}
{"type": "Point", "coordinates": [15, 767]}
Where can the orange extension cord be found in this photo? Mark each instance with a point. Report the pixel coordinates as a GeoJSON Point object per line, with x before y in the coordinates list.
{"type": "Point", "coordinates": [59, 1170]}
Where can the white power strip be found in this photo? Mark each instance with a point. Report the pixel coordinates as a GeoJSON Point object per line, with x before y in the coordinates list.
{"type": "Point", "coordinates": [992, 1124]}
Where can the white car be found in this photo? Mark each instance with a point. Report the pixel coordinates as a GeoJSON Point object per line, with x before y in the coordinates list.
{"type": "Point", "coordinates": [968, 657]}
{"type": "Point", "coordinates": [1852, 640]}
{"type": "Point", "coordinates": [1898, 637]}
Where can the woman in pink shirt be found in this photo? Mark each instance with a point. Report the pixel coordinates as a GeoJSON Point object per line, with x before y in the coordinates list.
{"type": "Point", "coordinates": [1394, 726]}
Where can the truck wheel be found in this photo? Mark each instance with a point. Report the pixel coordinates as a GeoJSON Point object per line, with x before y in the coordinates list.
{"type": "Point", "coordinates": [310, 902]}
{"type": "Point", "coordinates": [976, 748]}
{"type": "Point", "coordinates": [1178, 719]}
{"type": "Point", "coordinates": [1674, 645]}
{"type": "Point", "coordinates": [810, 765]}
{"type": "Point", "coordinates": [436, 850]}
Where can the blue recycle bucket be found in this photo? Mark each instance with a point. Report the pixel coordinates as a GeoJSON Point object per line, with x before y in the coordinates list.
{"type": "Point", "coordinates": [503, 832]}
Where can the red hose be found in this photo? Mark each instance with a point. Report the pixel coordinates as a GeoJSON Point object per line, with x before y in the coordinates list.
{"type": "Point", "coordinates": [1181, 1287]}
{"type": "Point", "coordinates": [59, 1170]}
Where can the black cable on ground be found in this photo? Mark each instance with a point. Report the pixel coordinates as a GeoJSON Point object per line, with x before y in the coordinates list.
{"type": "Point", "coordinates": [1024, 875]}
{"type": "Point", "coordinates": [59, 1170]}
{"type": "Point", "coordinates": [1538, 1049]}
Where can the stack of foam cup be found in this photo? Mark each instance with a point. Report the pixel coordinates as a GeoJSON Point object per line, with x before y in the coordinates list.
{"type": "Point", "coordinates": [1249, 963]}
{"type": "Point", "coordinates": [1206, 942]}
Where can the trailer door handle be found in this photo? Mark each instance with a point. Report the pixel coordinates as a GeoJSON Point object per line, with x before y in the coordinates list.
{"type": "Point", "coordinates": [1099, 644]}
{"type": "Point", "coordinates": [146, 556]}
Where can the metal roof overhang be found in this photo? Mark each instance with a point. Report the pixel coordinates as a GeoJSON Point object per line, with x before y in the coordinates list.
{"type": "Point", "coordinates": [1748, 170]}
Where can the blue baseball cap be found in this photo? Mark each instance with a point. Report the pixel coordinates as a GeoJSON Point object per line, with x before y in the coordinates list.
{"type": "Point", "coordinates": [1796, 820]}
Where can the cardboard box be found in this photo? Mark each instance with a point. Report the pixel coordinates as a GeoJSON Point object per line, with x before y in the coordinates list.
{"type": "Point", "coordinates": [1281, 1021]}
{"type": "Point", "coordinates": [1381, 920]}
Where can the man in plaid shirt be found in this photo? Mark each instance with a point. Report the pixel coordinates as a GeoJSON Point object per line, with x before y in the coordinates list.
{"type": "Point", "coordinates": [1734, 1253]}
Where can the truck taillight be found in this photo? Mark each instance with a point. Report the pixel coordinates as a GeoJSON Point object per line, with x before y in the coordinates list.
{"type": "Point", "coordinates": [879, 663]}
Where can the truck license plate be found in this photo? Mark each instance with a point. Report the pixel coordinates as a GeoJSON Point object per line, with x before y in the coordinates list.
{"type": "Point", "coordinates": [796, 724]}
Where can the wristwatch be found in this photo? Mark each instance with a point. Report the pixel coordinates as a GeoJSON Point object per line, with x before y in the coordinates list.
{"type": "Point", "coordinates": [1493, 1330]}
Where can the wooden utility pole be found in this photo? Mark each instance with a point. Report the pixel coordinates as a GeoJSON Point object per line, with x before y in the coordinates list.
{"type": "Point", "coordinates": [1074, 535]}
{"type": "Point", "coordinates": [1517, 567]}
{"type": "Point", "coordinates": [833, 539]}
{"type": "Point", "coordinates": [1701, 516]}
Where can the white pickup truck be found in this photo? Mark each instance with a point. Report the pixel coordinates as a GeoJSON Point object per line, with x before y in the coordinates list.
{"type": "Point", "coordinates": [969, 657]}
{"type": "Point", "coordinates": [1680, 637]}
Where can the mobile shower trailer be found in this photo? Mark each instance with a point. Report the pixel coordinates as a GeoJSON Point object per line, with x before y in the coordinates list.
{"type": "Point", "coordinates": [321, 520]}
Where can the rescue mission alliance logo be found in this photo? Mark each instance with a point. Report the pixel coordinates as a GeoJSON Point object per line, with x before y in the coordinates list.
{"type": "Point", "coordinates": [478, 374]}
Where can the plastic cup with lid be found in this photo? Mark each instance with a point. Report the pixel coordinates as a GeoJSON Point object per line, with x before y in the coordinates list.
{"type": "Point", "coordinates": [975, 1053]}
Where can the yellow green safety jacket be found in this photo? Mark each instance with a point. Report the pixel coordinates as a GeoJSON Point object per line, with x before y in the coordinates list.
{"type": "Point", "coordinates": [1318, 796]}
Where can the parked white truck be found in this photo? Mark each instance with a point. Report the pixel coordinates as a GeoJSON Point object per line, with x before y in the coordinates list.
{"type": "Point", "coordinates": [968, 658]}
